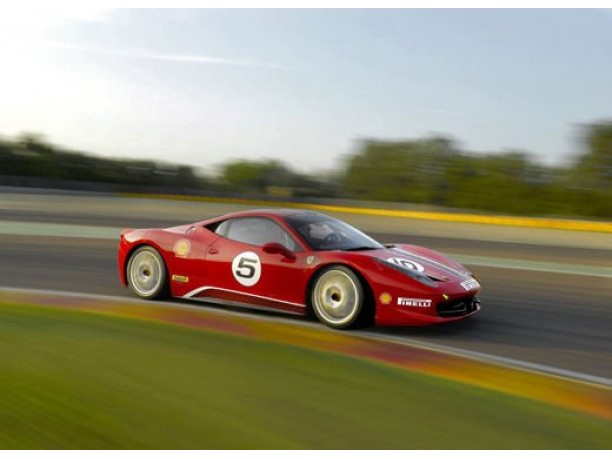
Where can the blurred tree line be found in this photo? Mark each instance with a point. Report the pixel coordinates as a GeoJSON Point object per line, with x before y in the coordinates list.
{"type": "Point", "coordinates": [433, 171]}
{"type": "Point", "coordinates": [31, 156]}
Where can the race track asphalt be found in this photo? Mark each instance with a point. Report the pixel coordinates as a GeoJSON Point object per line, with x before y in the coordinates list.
{"type": "Point", "coordinates": [546, 318]}
{"type": "Point", "coordinates": [542, 317]}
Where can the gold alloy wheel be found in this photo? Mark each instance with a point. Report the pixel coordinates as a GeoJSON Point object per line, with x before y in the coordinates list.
{"type": "Point", "coordinates": [337, 297]}
{"type": "Point", "coordinates": [146, 273]}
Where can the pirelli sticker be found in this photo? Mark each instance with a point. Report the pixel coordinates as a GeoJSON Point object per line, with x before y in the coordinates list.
{"type": "Point", "coordinates": [414, 302]}
{"type": "Point", "coordinates": [178, 278]}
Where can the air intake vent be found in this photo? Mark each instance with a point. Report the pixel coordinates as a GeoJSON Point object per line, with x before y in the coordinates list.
{"type": "Point", "coordinates": [458, 307]}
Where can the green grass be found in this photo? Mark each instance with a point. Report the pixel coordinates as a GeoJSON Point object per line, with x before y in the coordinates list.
{"type": "Point", "coordinates": [71, 379]}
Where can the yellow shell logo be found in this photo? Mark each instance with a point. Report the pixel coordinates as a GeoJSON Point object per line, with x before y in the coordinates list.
{"type": "Point", "coordinates": [385, 298]}
{"type": "Point", "coordinates": [182, 248]}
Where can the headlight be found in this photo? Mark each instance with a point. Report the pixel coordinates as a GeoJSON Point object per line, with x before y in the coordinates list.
{"type": "Point", "coordinates": [416, 275]}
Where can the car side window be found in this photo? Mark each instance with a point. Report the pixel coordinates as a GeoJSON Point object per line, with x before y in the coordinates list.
{"type": "Point", "coordinates": [259, 231]}
{"type": "Point", "coordinates": [221, 229]}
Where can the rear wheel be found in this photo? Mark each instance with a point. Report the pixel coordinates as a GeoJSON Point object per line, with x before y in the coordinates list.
{"type": "Point", "coordinates": [337, 297]}
{"type": "Point", "coordinates": [146, 274]}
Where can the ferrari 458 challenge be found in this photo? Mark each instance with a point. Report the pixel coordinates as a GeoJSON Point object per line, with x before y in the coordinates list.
{"type": "Point", "coordinates": [299, 262]}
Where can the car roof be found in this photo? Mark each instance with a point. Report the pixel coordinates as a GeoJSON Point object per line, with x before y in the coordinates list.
{"type": "Point", "coordinates": [283, 212]}
{"type": "Point", "coordinates": [274, 212]}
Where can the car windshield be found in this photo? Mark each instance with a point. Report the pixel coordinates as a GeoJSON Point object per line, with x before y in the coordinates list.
{"type": "Point", "coordinates": [326, 233]}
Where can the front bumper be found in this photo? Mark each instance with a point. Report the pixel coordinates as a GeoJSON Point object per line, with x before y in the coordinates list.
{"type": "Point", "coordinates": [442, 312]}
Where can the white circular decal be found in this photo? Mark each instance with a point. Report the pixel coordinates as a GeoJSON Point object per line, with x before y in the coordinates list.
{"type": "Point", "coordinates": [246, 268]}
{"type": "Point", "coordinates": [404, 263]}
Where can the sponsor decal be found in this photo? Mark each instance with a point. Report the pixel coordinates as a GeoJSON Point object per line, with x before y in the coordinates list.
{"type": "Point", "coordinates": [182, 248]}
{"type": "Point", "coordinates": [178, 278]}
{"type": "Point", "coordinates": [246, 268]}
{"type": "Point", "coordinates": [405, 263]}
{"type": "Point", "coordinates": [445, 267]}
{"type": "Point", "coordinates": [414, 302]}
{"type": "Point", "coordinates": [385, 298]}
{"type": "Point", "coordinates": [470, 284]}
{"type": "Point", "coordinates": [310, 259]}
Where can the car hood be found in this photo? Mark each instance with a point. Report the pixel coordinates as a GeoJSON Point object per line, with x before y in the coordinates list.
{"type": "Point", "coordinates": [421, 259]}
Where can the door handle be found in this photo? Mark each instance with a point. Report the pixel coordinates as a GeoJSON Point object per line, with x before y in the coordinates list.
{"type": "Point", "coordinates": [213, 251]}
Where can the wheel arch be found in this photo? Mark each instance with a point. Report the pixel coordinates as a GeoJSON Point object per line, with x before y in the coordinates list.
{"type": "Point", "coordinates": [133, 249]}
{"type": "Point", "coordinates": [367, 316]}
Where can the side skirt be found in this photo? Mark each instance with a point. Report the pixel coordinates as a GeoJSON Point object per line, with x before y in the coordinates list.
{"type": "Point", "coordinates": [233, 298]}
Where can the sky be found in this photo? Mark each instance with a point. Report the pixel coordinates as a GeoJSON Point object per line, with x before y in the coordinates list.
{"type": "Point", "coordinates": [202, 87]}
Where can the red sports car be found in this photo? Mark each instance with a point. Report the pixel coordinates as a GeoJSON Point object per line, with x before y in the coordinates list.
{"type": "Point", "coordinates": [299, 262]}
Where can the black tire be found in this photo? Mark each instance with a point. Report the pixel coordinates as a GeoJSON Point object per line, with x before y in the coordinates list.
{"type": "Point", "coordinates": [337, 297]}
{"type": "Point", "coordinates": [146, 274]}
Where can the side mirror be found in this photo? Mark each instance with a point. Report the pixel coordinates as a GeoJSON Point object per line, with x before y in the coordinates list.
{"type": "Point", "coordinates": [275, 247]}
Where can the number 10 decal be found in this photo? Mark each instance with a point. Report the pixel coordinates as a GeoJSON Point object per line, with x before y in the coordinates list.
{"type": "Point", "coordinates": [246, 268]}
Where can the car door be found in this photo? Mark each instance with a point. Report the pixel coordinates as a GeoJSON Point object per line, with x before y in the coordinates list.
{"type": "Point", "coordinates": [244, 273]}
{"type": "Point", "coordinates": [186, 258]}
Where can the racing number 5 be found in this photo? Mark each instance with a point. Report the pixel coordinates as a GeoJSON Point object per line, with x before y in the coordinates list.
{"type": "Point", "coordinates": [249, 264]}
{"type": "Point", "coordinates": [246, 268]}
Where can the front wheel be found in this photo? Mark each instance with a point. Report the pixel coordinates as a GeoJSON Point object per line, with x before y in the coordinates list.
{"type": "Point", "coordinates": [146, 274]}
{"type": "Point", "coordinates": [337, 297]}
